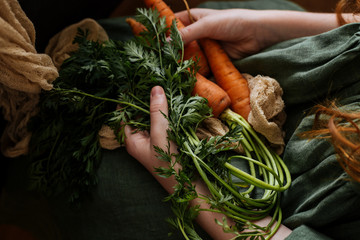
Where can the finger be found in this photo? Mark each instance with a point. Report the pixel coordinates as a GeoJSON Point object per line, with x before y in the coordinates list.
{"type": "Point", "coordinates": [200, 28]}
{"type": "Point", "coordinates": [183, 17]}
{"type": "Point", "coordinates": [137, 144]}
{"type": "Point", "coordinates": [196, 14]}
{"type": "Point", "coordinates": [193, 32]}
{"type": "Point", "coordinates": [159, 124]}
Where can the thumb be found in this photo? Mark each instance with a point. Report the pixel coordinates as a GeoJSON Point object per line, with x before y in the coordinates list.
{"type": "Point", "coordinates": [159, 124]}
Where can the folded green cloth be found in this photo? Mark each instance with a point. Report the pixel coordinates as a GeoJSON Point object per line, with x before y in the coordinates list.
{"type": "Point", "coordinates": [311, 70]}
{"type": "Point", "coordinates": [253, 4]}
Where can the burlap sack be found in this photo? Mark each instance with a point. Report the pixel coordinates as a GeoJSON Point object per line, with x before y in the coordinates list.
{"type": "Point", "coordinates": [267, 115]}
{"type": "Point", "coordinates": [61, 44]}
{"type": "Point", "coordinates": [107, 138]}
{"type": "Point", "coordinates": [23, 73]}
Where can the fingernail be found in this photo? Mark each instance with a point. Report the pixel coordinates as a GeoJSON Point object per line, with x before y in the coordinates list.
{"type": "Point", "coordinates": [127, 130]}
{"type": "Point", "coordinates": [157, 91]}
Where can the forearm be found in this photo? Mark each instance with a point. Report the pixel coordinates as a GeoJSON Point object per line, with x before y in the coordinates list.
{"type": "Point", "coordinates": [280, 25]}
{"type": "Point", "coordinates": [206, 219]}
{"type": "Point", "coordinates": [280, 234]}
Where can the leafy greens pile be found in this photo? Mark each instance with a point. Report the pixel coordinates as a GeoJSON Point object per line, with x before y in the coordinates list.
{"type": "Point", "coordinates": [98, 77]}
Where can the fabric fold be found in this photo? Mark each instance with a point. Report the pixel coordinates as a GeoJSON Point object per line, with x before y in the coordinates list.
{"type": "Point", "coordinates": [23, 74]}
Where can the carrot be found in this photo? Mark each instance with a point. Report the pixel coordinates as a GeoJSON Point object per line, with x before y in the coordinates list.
{"type": "Point", "coordinates": [217, 98]}
{"type": "Point", "coordinates": [192, 49]}
{"type": "Point", "coordinates": [136, 27]}
{"type": "Point", "coordinates": [228, 77]}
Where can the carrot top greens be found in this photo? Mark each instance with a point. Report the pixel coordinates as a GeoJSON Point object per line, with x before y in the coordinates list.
{"type": "Point", "coordinates": [65, 149]}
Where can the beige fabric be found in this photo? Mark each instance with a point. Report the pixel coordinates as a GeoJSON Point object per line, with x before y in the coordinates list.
{"type": "Point", "coordinates": [23, 73]}
{"type": "Point", "coordinates": [108, 139]}
{"type": "Point", "coordinates": [61, 44]}
{"type": "Point", "coordinates": [267, 114]}
{"type": "Point", "coordinates": [212, 127]}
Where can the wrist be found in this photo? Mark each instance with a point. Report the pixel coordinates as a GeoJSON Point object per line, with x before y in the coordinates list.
{"type": "Point", "coordinates": [280, 234]}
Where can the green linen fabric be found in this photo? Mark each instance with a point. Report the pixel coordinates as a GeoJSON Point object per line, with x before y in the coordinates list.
{"type": "Point", "coordinates": [304, 232]}
{"type": "Point", "coordinates": [127, 204]}
{"type": "Point", "coordinates": [253, 4]}
{"type": "Point", "coordinates": [322, 203]}
{"type": "Point", "coordinates": [311, 69]}
{"type": "Point", "coordinates": [322, 197]}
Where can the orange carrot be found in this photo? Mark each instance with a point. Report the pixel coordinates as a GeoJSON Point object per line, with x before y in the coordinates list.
{"type": "Point", "coordinates": [136, 27]}
{"type": "Point", "coordinates": [192, 49]}
{"type": "Point", "coordinates": [228, 77]}
{"type": "Point", "coordinates": [217, 98]}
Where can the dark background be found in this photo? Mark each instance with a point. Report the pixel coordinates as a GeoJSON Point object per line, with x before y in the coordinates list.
{"type": "Point", "coordinates": [50, 17]}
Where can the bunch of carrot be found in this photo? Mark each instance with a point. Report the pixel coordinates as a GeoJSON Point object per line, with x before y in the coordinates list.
{"type": "Point", "coordinates": [228, 77]}
{"type": "Point", "coordinates": [231, 89]}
